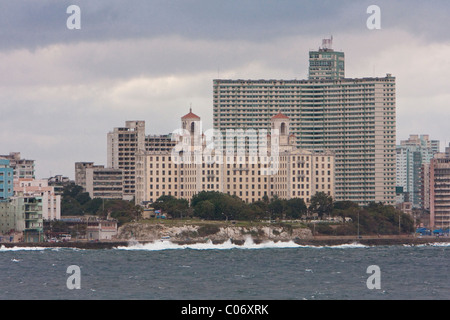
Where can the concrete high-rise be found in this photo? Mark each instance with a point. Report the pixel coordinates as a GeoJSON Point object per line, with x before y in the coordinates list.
{"type": "Point", "coordinates": [325, 63]}
{"type": "Point", "coordinates": [436, 186]}
{"type": "Point", "coordinates": [353, 117]}
{"type": "Point", "coordinates": [6, 180]}
{"type": "Point", "coordinates": [411, 155]}
{"type": "Point", "coordinates": [123, 145]}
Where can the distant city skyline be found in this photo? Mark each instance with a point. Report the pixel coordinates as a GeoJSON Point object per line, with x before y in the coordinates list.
{"type": "Point", "coordinates": [62, 91]}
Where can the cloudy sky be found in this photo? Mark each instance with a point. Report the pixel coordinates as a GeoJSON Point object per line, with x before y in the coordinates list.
{"type": "Point", "coordinates": [62, 90]}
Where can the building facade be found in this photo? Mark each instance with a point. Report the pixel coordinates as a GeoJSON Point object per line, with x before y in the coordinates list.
{"type": "Point", "coordinates": [6, 180]}
{"type": "Point", "coordinates": [182, 173]}
{"type": "Point", "coordinates": [354, 118]}
{"type": "Point", "coordinates": [23, 168]}
{"type": "Point", "coordinates": [325, 63]}
{"type": "Point", "coordinates": [438, 189]}
{"type": "Point", "coordinates": [412, 154]}
{"type": "Point", "coordinates": [123, 145]}
{"type": "Point", "coordinates": [31, 188]}
{"type": "Point", "coordinates": [22, 215]}
{"type": "Point", "coordinates": [98, 181]}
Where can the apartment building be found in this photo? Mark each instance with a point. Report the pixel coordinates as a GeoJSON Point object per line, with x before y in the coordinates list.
{"type": "Point", "coordinates": [436, 186]}
{"type": "Point", "coordinates": [23, 168]}
{"type": "Point", "coordinates": [353, 118]}
{"type": "Point", "coordinates": [6, 180]}
{"type": "Point", "coordinates": [31, 188]}
{"type": "Point", "coordinates": [411, 155]}
{"type": "Point", "coordinates": [22, 215]}
{"type": "Point", "coordinates": [182, 173]}
{"type": "Point", "coordinates": [98, 181]}
{"type": "Point", "coordinates": [325, 63]}
{"type": "Point", "coordinates": [123, 145]}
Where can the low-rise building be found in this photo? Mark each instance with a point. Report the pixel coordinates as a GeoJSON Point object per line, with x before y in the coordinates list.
{"type": "Point", "coordinates": [23, 168]}
{"type": "Point", "coordinates": [51, 202]}
{"type": "Point", "coordinates": [98, 181]}
{"type": "Point", "coordinates": [99, 229]}
{"type": "Point", "coordinates": [22, 215]}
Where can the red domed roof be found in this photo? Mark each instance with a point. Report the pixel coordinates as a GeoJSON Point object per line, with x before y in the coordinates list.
{"type": "Point", "coordinates": [190, 115]}
{"type": "Point", "coordinates": [280, 116]}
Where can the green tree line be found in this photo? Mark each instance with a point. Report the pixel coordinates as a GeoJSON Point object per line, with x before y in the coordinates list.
{"type": "Point", "coordinates": [375, 218]}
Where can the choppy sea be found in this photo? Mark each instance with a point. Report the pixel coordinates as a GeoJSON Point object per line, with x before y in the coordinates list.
{"type": "Point", "coordinates": [267, 271]}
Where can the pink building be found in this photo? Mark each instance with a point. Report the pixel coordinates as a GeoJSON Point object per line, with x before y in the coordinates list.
{"type": "Point", "coordinates": [51, 203]}
{"type": "Point", "coordinates": [439, 191]}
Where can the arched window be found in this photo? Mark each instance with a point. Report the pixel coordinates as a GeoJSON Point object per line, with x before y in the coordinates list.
{"type": "Point", "coordinates": [192, 127]}
{"type": "Point", "coordinates": [283, 128]}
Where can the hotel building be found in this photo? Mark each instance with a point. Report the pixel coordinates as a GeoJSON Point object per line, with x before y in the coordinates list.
{"type": "Point", "coordinates": [353, 118]}
{"type": "Point", "coordinates": [289, 173]}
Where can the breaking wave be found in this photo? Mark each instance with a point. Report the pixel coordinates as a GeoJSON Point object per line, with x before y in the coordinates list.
{"type": "Point", "coordinates": [6, 249]}
{"type": "Point", "coordinates": [209, 245]}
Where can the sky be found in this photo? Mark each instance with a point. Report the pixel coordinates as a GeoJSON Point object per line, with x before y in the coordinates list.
{"type": "Point", "coordinates": [62, 90]}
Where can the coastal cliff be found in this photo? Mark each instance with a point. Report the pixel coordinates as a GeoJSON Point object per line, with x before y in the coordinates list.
{"type": "Point", "coordinates": [202, 232]}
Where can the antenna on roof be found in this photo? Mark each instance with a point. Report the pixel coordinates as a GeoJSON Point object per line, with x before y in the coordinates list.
{"type": "Point", "coordinates": [327, 43]}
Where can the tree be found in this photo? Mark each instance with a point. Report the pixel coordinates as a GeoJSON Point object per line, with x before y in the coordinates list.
{"type": "Point", "coordinates": [277, 207]}
{"type": "Point", "coordinates": [205, 209]}
{"type": "Point", "coordinates": [177, 208]}
{"type": "Point", "coordinates": [321, 203]}
{"type": "Point", "coordinates": [295, 208]}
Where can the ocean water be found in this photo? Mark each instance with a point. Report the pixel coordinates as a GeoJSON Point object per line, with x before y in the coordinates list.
{"type": "Point", "coordinates": [268, 271]}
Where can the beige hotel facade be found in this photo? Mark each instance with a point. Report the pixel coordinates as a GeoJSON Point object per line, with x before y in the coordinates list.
{"type": "Point", "coordinates": [278, 168]}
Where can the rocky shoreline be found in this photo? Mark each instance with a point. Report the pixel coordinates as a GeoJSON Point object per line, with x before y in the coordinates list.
{"type": "Point", "coordinates": [187, 234]}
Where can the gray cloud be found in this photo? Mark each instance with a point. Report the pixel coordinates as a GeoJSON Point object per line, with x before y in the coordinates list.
{"type": "Point", "coordinates": [61, 91]}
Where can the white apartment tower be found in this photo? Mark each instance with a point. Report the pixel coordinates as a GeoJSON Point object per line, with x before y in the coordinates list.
{"type": "Point", "coordinates": [123, 144]}
{"type": "Point", "coordinates": [353, 117]}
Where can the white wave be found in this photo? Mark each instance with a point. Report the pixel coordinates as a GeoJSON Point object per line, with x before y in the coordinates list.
{"type": "Point", "coordinates": [354, 245]}
{"type": "Point", "coordinates": [7, 249]}
{"type": "Point", "coordinates": [209, 245]}
{"type": "Point", "coordinates": [434, 244]}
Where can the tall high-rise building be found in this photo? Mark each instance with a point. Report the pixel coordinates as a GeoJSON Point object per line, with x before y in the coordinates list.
{"type": "Point", "coordinates": [411, 155]}
{"type": "Point", "coordinates": [6, 180]}
{"type": "Point", "coordinates": [354, 118]}
{"type": "Point", "coordinates": [436, 186]}
{"type": "Point", "coordinates": [325, 63]}
{"type": "Point", "coordinates": [123, 145]}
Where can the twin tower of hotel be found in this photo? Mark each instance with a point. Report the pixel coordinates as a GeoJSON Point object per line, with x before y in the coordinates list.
{"type": "Point", "coordinates": [338, 136]}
